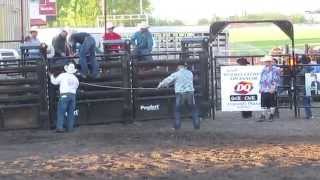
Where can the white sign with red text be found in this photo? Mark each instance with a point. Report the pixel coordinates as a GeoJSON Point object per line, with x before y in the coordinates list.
{"type": "Point", "coordinates": [240, 88]}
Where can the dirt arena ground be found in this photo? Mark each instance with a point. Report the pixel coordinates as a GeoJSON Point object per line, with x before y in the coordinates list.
{"type": "Point", "coordinates": [224, 149]}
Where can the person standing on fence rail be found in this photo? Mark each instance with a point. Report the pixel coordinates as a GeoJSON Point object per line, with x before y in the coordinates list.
{"type": "Point", "coordinates": [59, 44]}
{"type": "Point", "coordinates": [143, 42]}
{"type": "Point", "coordinates": [111, 35]}
{"type": "Point", "coordinates": [69, 84]}
{"type": "Point", "coordinates": [184, 91]}
{"type": "Point", "coordinates": [269, 81]}
{"type": "Point", "coordinates": [86, 53]}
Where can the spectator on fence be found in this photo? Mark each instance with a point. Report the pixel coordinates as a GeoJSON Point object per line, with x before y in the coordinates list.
{"type": "Point", "coordinates": [32, 41]}
{"type": "Point", "coordinates": [69, 84]}
{"type": "Point", "coordinates": [268, 86]}
{"type": "Point", "coordinates": [243, 62]}
{"type": "Point", "coordinates": [184, 92]}
{"type": "Point", "coordinates": [34, 36]}
{"type": "Point", "coordinates": [143, 42]}
{"type": "Point", "coordinates": [88, 63]}
{"type": "Point", "coordinates": [111, 35]}
{"type": "Point", "coordinates": [60, 45]}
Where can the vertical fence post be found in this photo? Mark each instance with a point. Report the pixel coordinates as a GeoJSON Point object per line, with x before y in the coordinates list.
{"type": "Point", "coordinates": [43, 78]}
{"type": "Point", "coordinates": [204, 78]}
{"type": "Point", "coordinates": [127, 107]}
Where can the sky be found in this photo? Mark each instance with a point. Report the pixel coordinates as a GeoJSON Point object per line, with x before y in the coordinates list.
{"type": "Point", "coordinates": [191, 10]}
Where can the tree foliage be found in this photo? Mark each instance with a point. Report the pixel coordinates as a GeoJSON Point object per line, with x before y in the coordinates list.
{"type": "Point", "coordinates": [116, 7]}
{"type": "Point", "coordinates": [80, 13]}
{"type": "Point", "coordinates": [84, 13]}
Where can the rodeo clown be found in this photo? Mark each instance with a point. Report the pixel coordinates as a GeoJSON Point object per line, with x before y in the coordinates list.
{"type": "Point", "coordinates": [269, 81]}
{"type": "Point", "coordinates": [184, 92]}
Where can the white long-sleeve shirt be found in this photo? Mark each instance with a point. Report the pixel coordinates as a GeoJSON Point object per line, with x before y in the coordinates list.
{"type": "Point", "coordinates": [69, 83]}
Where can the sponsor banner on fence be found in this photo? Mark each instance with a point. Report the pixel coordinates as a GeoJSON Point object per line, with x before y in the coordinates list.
{"type": "Point", "coordinates": [312, 84]}
{"type": "Point", "coordinates": [240, 88]}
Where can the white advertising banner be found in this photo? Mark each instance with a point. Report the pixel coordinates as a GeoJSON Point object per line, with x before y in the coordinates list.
{"type": "Point", "coordinates": [312, 84]}
{"type": "Point", "coordinates": [240, 88]}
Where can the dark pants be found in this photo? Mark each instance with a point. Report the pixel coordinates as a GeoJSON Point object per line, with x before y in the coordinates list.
{"type": "Point", "coordinates": [268, 100]}
{"type": "Point", "coordinates": [66, 104]}
{"type": "Point", "coordinates": [181, 99]}
{"type": "Point", "coordinates": [307, 106]}
{"type": "Point", "coordinates": [88, 57]}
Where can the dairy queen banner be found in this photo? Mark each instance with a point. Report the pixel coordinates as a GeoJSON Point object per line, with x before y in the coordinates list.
{"type": "Point", "coordinates": [240, 88]}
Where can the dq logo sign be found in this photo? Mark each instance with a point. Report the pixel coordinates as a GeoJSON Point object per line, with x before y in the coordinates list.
{"type": "Point", "coordinates": [243, 87]}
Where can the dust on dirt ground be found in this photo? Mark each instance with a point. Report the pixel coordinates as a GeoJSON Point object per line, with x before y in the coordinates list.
{"type": "Point", "coordinates": [227, 148]}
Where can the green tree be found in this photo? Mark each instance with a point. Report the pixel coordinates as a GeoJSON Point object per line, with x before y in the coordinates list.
{"type": "Point", "coordinates": [84, 13]}
{"type": "Point", "coordinates": [116, 7]}
{"type": "Point", "coordinates": [78, 12]}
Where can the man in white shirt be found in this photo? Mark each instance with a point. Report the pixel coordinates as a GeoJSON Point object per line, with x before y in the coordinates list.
{"type": "Point", "coordinates": [69, 84]}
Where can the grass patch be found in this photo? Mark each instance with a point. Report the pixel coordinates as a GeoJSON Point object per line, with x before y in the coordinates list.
{"type": "Point", "coordinates": [260, 39]}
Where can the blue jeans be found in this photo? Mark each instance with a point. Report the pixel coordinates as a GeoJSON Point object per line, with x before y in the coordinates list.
{"type": "Point", "coordinates": [181, 99]}
{"type": "Point", "coordinates": [67, 104]}
{"type": "Point", "coordinates": [88, 57]}
{"type": "Point", "coordinates": [307, 106]}
{"type": "Point", "coordinates": [143, 54]}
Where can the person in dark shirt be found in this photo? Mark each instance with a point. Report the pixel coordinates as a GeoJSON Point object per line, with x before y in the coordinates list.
{"type": "Point", "coordinates": [59, 44]}
{"type": "Point", "coordinates": [86, 53]}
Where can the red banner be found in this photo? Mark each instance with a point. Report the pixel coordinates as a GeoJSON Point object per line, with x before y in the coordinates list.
{"type": "Point", "coordinates": [48, 8]}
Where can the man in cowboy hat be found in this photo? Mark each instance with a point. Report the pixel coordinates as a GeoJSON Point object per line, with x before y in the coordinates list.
{"type": "Point", "coordinates": [143, 42]}
{"type": "Point", "coordinates": [69, 84]}
{"type": "Point", "coordinates": [111, 35]}
{"type": "Point", "coordinates": [34, 36]}
{"type": "Point", "coordinates": [184, 92]}
{"type": "Point", "coordinates": [269, 82]}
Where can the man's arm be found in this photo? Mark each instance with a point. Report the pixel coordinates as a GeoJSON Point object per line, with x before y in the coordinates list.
{"type": "Point", "coordinates": [168, 80]}
{"type": "Point", "coordinates": [150, 42]}
{"type": "Point", "coordinates": [55, 81]}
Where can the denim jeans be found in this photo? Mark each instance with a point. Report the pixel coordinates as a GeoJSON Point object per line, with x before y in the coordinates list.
{"type": "Point", "coordinates": [181, 99]}
{"type": "Point", "coordinates": [307, 106]}
{"type": "Point", "coordinates": [88, 57]}
{"type": "Point", "coordinates": [67, 104]}
{"type": "Point", "coordinates": [143, 54]}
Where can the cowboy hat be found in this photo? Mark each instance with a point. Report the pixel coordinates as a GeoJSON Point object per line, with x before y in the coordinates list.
{"type": "Point", "coordinates": [267, 58]}
{"type": "Point", "coordinates": [109, 25]}
{"type": "Point", "coordinates": [143, 25]}
{"type": "Point", "coordinates": [33, 29]}
{"type": "Point", "coordinates": [70, 68]}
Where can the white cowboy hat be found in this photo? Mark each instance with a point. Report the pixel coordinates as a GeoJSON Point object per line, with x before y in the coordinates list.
{"type": "Point", "coordinates": [267, 58]}
{"type": "Point", "coordinates": [110, 25]}
{"type": "Point", "coordinates": [143, 25]}
{"type": "Point", "coordinates": [70, 68]}
{"type": "Point", "coordinates": [33, 29]}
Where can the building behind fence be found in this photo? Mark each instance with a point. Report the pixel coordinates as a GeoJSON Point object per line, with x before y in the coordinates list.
{"type": "Point", "coordinates": [12, 15]}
